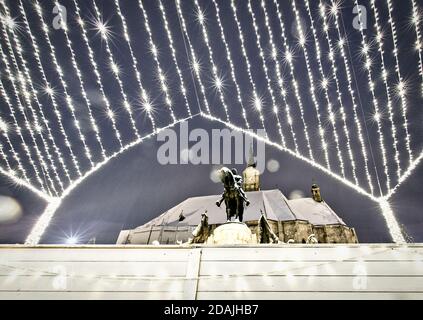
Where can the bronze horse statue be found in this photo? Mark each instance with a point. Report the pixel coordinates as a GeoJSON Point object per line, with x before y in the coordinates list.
{"type": "Point", "coordinates": [233, 194]}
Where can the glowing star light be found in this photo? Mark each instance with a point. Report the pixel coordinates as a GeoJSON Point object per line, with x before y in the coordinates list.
{"type": "Point", "coordinates": [258, 103]}
{"type": "Point", "coordinates": [115, 68]}
{"type": "Point", "coordinates": [102, 29]}
{"type": "Point", "coordinates": [218, 83]}
{"type": "Point", "coordinates": [72, 240]}
{"type": "Point", "coordinates": [4, 127]}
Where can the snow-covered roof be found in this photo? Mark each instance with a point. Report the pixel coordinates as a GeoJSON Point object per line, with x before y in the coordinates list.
{"type": "Point", "coordinates": [317, 213]}
{"type": "Point", "coordinates": [272, 202]}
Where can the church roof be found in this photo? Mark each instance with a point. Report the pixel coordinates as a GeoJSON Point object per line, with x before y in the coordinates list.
{"type": "Point", "coordinates": [318, 213]}
{"type": "Point", "coordinates": [272, 202]}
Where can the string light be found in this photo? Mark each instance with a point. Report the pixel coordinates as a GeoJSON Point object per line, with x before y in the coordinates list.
{"type": "Point", "coordinates": [22, 183]}
{"type": "Point", "coordinates": [312, 89]}
{"type": "Point", "coordinates": [43, 221]}
{"type": "Point", "coordinates": [196, 66]}
{"type": "Point", "coordinates": [26, 121]}
{"type": "Point", "coordinates": [342, 111]}
{"type": "Point", "coordinates": [4, 131]}
{"type": "Point", "coordinates": [78, 72]}
{"type": "Point", "coordinates": [231, 64]}
{"type": "Point", "coordinates": [27, 95]}
{"type": "Point", "coordinates": [258, 103]}
{"type": "Point", "coordinates": [99, 79]}
{"type": "Point", "coordinates": [294, 82]}
{"type": "Point", "coordinates": [375, 102]}
{"type": "Point", "coordinates": [118, 79]}
{"type": "Point", "coordinates": [219, 83]}
{"type": "Point", "coordinates": [256, 99]}
{"type": "Point", "coordinates": [46, 217]}
{"type": "Point", "coordinates": [413, 166]}
{"type": "Point", "coordinates": [312, 163]}
{"type": "Point", "coordinates": [379, 39]}
{"type": "Point", "coordinates": [4, 127]}
{"type": "Point", "coordinates": [350, 91]}
{"type": "Point", "coordinates": [386, 209]}
{"type": "Point", "coordinates": [325, 86]}
{"type": "Point", "coordinates": [279, 76]}
{"type": "Point", "coordinates": [145, 99]}
{"type": "Point", "coordinates": [391, 222]}
{"type": "Point", "coordinates": [194, 60]}
{"type": "Point", "coordinates": [266, 72]}
{"type": "Point", "coordinates": [341, 44]}
{"type": "Point", "coordinates": [49, 90]}
{"type": "Point", "coordinates": [403, 99]}
{"type": "Point", "coordinates": [6, 160]}
{"type": "Point", "coordinates": [162, 77]}
{"type": "Point", "coordinates": [416, 19]}
{"type": "Point", "coordinates": [22, 80]}
{"type": "Point", "coordinates": [10, 22]}
{"type": "Point", "coordinates": [175, 60]}
{"type": "Point", "coordinates": [215, 70]}
{"type": "Point", "coordinates": [68, 99]}
{"type": "Point", "coordinates": [331, 112]}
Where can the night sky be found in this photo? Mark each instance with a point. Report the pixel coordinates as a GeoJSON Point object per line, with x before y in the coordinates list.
{"type": "Point", "coordinates": [134, 187]}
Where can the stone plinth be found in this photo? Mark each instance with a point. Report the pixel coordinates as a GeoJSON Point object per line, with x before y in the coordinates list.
{"type": "Point", "coordinates": [232, 233]}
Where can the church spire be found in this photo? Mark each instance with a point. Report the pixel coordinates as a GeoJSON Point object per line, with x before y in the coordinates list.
{"type": "Point", "coordinates": [251, 176]}
{"type": "Point", "coordinates": [315, 192]}
{"type": "Point", "coordinates": [251, 160]}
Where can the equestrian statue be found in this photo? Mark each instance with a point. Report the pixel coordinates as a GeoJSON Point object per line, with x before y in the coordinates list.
{"type": "Point", "coordinates": [233, 194]}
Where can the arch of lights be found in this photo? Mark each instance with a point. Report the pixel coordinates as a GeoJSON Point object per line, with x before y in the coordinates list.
{"type": "Point", "coordinates": [75, 96]}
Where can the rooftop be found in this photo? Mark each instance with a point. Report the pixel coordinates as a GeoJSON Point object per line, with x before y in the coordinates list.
{"type": "Point", "coordinates": [272, 202]}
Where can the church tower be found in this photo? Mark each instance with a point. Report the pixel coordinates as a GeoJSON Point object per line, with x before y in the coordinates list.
{"type": "Point", "coordinates": [251, 176]}
{"type": "Point", "coordinates": [315, 192]}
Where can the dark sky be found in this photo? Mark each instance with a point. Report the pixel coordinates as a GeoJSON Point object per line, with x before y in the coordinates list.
{"type": "Point", "coordinates": [133, 188]}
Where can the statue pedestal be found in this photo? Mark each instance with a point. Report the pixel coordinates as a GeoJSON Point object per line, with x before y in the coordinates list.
{"type": "Point", "coordinates": [232, 233]}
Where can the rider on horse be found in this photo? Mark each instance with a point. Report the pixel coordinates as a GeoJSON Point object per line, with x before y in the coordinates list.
{"type": "Point", "coordinates": [233, 195]}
